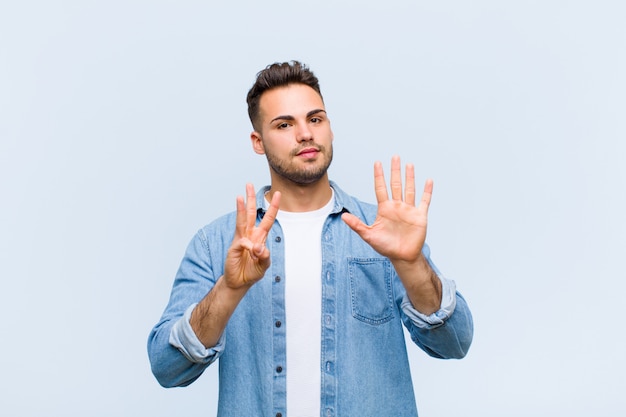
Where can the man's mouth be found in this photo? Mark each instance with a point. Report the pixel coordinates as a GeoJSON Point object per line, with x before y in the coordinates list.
{"type": "Point", "coordinates": [308, 152]}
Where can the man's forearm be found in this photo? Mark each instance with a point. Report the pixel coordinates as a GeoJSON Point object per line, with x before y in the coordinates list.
{"type": "Point", "coordinates": [422, 284]}
{"type": "Point", "coordinates": [209, 318]}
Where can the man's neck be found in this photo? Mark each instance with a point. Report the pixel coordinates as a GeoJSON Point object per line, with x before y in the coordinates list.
{"type": "Point", "coordinates": [300, 198]}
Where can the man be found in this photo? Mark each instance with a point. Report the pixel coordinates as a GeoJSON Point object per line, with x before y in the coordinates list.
{"type": "Point", "coordinates": [302, 292]}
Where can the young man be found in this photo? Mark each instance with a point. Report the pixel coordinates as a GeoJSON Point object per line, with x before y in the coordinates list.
{"type": "Point", "coordinates": [303, 291]}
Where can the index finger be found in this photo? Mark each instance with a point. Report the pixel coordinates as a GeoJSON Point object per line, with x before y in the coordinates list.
{"type": "Point", "coordinates": [427, 196]}
{"type": "Point", "coordinates": [270, 215]}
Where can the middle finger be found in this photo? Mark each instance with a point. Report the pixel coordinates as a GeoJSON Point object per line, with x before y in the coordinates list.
{"type": "Point", "coordinates": [396, 179]}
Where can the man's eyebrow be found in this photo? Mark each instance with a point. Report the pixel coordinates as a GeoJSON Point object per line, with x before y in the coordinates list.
{"type": "Point", "coordinates": [312, 112]}
{"type": "Point", "coordinates": [289, 117]}
{"type": "Point", "coordinates": [285, 117]}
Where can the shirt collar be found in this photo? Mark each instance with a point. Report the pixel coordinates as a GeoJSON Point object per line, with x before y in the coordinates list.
{"type": "Point", "coordinates": [343, 202]}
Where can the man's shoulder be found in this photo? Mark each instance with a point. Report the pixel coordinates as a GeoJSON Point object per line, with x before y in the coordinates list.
{"type": "Point", "coordinates": [353, 204]}
{"type": "Point", "coordinates": [220, 226]}
{"type": "Point", "coordinates": [223, 220]}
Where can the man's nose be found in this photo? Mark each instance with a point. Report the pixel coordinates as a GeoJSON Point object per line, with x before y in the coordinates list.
{"type": "Point", "coordinates": [304, 133]}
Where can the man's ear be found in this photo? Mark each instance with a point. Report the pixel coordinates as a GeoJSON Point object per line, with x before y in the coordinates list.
{"type": "Point", "coordinates": [257, 143]}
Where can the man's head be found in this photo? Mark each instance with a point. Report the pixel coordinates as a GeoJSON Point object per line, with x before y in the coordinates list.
{"type": "Point", "coordinates": [291, 127]}
{"type": "Point", "coordinates": [274, 76]}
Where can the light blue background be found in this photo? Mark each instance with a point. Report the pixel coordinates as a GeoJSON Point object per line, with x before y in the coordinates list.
{"type": "Point", "coordinates": [123, 129]}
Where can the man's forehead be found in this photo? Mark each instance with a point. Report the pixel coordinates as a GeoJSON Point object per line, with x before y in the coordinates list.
{"type": "Point", "coordinates": [290, 100]}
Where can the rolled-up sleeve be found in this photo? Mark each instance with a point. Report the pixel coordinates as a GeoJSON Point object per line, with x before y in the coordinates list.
{"type": "Point", "coordinates": [436, 319]}
{"type": "Point", "coordinates": [183, 338]}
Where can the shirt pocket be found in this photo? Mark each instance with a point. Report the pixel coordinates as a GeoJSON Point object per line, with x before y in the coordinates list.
{"type": "Point", "coordinates": [370, 289]}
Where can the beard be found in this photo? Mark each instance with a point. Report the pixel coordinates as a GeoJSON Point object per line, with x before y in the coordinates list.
{"type": "Point", "coordinates": [312, 172]}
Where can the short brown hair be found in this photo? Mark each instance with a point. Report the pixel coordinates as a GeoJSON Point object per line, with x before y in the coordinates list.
{"type": "Point", "coordinates": [278, 75]}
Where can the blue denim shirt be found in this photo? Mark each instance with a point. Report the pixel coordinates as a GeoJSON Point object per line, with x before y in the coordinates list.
{"type": "Point", "coordinates": [364, 364]}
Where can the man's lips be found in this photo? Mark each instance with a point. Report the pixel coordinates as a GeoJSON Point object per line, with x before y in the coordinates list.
{"type": "Point", "coordinates": [308, 152]}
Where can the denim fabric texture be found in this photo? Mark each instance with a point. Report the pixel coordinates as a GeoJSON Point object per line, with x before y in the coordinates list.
{"type": "Point", "coordinates": [364, 363]}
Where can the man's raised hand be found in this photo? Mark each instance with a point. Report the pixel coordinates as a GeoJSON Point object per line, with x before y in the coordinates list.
{"type": "Point", "coordinates": [248, 258]}
{"type": "Point", "coordinates": [399, 230]}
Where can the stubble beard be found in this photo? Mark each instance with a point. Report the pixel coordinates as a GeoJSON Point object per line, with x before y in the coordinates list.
{"type": "Point", "coordinates": [301, 176]}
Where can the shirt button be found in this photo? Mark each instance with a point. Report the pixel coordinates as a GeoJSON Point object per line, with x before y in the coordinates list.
{"type": "Point", "coordinates": [279, 414]}
{"type": "Point", "coordinates": [276, 278]}
{"type": "Point", "coordinates": [278, 323]}
{"type": "Point", "coordinates": [278, 239]}
{"type": "Point", "coordinates": [279, 369]}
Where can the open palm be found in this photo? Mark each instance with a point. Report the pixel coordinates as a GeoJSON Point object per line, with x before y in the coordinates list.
{"type": "Point", "coordinates": [399, 230]}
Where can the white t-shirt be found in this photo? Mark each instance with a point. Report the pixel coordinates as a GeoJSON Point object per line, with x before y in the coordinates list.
{"type": "Point", "coordinates": [303, 307]}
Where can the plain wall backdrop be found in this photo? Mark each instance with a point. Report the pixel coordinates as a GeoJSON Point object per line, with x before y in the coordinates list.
{"type": "Point", "coordinates": [123, 130]}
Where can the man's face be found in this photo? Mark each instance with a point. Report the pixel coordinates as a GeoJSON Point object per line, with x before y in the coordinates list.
{"type": "Point", "coordinates": [295, 134]}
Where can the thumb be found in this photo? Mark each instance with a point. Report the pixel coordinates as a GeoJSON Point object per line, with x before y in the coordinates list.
{"type": "Point", "coordinates": [353, 222]}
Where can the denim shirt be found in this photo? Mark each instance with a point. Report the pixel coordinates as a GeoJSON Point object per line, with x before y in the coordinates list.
{"type": "Point", "coordinates": [364, 364]}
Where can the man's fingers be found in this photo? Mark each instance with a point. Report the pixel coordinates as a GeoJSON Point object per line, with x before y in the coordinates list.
{"type": "Point", "coordinates": [426, 195]}
{"type": "Point", "coordinates": [354, 223]}
{"type": "Point", "coordinates": [241, 221]}
{"type": "Point", "coordinates": [250, 207]}
{"type": "Point", "coordinates": [270, 215]}
{"type": "Point", "coordinates": [255, 250]}
{"type": "Point", "coordinates": [247, 214]}
{"type": "Point", "coordinates": [409, 186]}
{"type": "Point", "coordinates": [380, 188]}
{"type": "Point", "coordinates": [396, 178]}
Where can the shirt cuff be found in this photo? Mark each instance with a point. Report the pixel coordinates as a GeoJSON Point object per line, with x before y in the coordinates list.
{"type": "Point", "coordinates": [438, 318]}
{"type": "Point", "coordinates": [183, 338]}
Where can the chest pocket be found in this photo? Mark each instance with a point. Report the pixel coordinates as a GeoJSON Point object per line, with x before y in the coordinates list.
{"type": "Point", "coordinates": [370, 289]}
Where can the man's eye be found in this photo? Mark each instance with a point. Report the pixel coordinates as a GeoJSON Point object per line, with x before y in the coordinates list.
{"type": "Point", "coordinates": [283, 125]}
{"type": "Point", "coordinates": [315, 120]}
